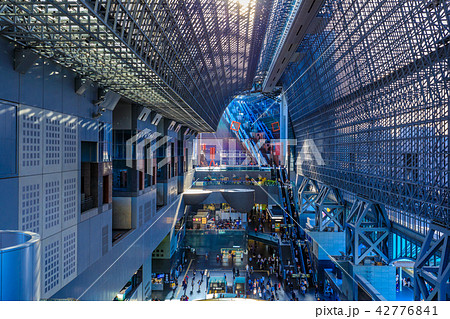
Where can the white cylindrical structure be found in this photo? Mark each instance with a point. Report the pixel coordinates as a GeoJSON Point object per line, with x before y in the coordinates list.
{"type": "Point", "coordinates": [19, 265]}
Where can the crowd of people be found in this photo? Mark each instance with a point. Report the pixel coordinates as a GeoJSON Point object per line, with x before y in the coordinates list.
{"type": "Point", "coordinates": [271, 263]}
{"type": "Point", "coordinates": [185, 283]}
{"type": "Point", "coordinates": [228, 224]}
{"type": "Point", "coordinates": [266, 288]}
{"type": "Point", "coordinates": [257, 219]}
{"type": "Point", "coordinates": [262, 288]}
{"type": "Point", "coordinates": [289, 277]}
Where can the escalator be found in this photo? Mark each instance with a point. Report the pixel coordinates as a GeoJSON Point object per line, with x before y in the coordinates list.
{"type": "Point", "coordinates": [306, 255]}
{"type": "Point", "coordinates": [238, 111]}
{"type": "Point", "coordinates": [288, 203]}
{"type": "Point", "coordinates": [287, 249]}
{"type": "Point", "coordinates": [301, 259]}
{"type": "Point", "coordinates": [295, 247]}
{"type": "Point", "coordinates": [286, 254]}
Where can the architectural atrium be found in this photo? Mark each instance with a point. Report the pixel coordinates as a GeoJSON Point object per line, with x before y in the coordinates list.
{"type": "Point", "coordinates": [224, 150]}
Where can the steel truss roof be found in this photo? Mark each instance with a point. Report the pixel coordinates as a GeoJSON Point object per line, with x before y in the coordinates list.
{"type": "Point", "coordinates": [282, 11]}
{"type": "Point", "coordinates": [185, 59]}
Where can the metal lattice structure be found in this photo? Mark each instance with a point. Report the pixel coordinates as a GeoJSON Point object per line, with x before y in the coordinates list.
{"type": "Point", "coordinates": [367, 225]}
{"type": "Point", "coordinates": [428, 275]}
{"type": "Point", "coordinates": [329, 209]}
{"type": "Point", "coordinates": [307, 195]}
{"type": "Point", "coordinates": [372, 92]}
{"type": "Point", "coordinates": [278, 21]}
{"type": "Point", "coordinates": [185, 59]}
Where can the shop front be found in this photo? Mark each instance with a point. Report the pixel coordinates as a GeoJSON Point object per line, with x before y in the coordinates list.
{"type": "Point", "coordinates": [239, 286]}
{"type": "Point", "coordinates": [233, 256]}
{"type": "Point", "coordinates": [200, 220]}
{"type": "Point", "coordinates": [158, 281]}
{"type": "Point", "coordinates": [216, 286]}
{"type": "Point", "coordinates": [276, 218]}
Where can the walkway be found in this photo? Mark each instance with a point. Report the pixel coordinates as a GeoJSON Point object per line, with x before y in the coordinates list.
{"type": "Point", "coordinates": [199, 292]}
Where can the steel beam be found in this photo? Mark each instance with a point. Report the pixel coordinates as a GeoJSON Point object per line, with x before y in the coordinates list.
{"type": "Point", "coordinates": [307, 194]}
{"type": "Point", "coordinates": [432, 283]}
{"type": "Point", "coordinates": [166, 55]}
{"type": "Point", "coordinates": [372, 93]}
{"type": "Point", "coordinates": [367, 230]}
{"type": "Point", "coordinates": [329, 209]}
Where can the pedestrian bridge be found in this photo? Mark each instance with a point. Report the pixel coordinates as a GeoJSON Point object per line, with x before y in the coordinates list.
{"type": "Point", "coordinates": [263, 238]}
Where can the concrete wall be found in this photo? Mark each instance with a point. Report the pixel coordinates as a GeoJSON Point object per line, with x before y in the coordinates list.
{"type": "Point", "coordinates": [348, 284]}
{"type": "Point", "coordinates": [382, 278]}
{"type": "Point", "coordinates": [42, 124]}
{"type": "Point", "coordinates": [327, 243]}
{"type": "Point", "coordinates": [188, 179]}
{"type": "Point", "coordinates": [104, 279]}
{"type": "Point", "coordinates": [147, 278]}
{"type": "Point", "coordinates": [94, 239]}
{"type": "Point", "coordinates": [172, 189]}
{"type": "Point", "coordinates": [163, 249]}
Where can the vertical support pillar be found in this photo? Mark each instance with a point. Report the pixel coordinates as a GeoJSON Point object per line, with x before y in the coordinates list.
{"type": "Point", "coordinates": [367, 230]}
{"type": "Point", "coordinates": [329, 209]}
{"type": "Point", "coordinates": [147, 278]}
{"type": "Point", "coordinates": [307, 194]}
{"type": "Point", "coordinates": [284, 130]}
{"type": "Point", "coordinates": [431, 281]}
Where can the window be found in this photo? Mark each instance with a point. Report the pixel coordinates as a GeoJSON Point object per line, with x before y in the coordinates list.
{"type": "Point", "coordinates": [89, 186]}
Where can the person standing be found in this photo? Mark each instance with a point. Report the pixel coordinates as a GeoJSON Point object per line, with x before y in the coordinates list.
{"type": "Point", "coordinates": [303, 290]}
